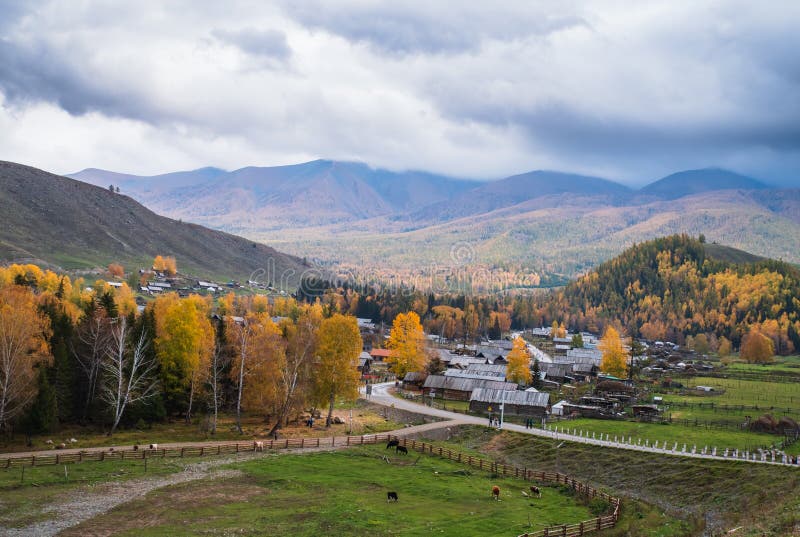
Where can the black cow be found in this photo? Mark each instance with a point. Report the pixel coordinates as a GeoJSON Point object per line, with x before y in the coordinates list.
{"type": "Point", "coordinates": [391, 497]}
{"type": "Point", "coordinates": [393, 443]}
{"type": "Point", "coordinates": [535, 491]}
{"type": "Point", "coordinates": [402, 449]}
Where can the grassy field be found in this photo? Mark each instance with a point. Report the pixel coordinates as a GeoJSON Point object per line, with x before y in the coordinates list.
{"type": "Point", "coordinates": [365, 421]}
{"type": "Point", "coordinates": [672, 433]}
{"type": "Point", "coordinates": [26, 495]}
{"type": "Point", "coordinates": [705, 495]}
{"type": "Point", "coordinates": [324, 493]}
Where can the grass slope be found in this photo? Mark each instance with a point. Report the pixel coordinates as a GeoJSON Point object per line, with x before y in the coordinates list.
{"type": "Point", "coordinates": [710, 496]}
{"type": "Point", "coordinates": [70, 224]}
{"type": "Point", "coordinates": [333, 493]}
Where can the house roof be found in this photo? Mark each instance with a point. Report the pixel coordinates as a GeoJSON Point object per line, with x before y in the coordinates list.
{"type": "Point", "coordinates": [489, 395]}
{"type": "Point", "coordinates": [380, 353]}
{"type": "Point", "coordinates": [465, 384]}
{"type": "Point", "coordinates": [468, 374]}
{"type": "Point", "coordinates": [414, 376]}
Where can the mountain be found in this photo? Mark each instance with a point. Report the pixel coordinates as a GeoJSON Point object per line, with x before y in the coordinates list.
{"type": "Point", "coordinates": [70, 224]}
{"type": "Point", "coordinates": [677, 285]}
{"type": "Point", "coordinates": [313, 193]}
{"type": "Point", "coordinates": [540, 226]}
{"type": "Point", "coordinates": [691, 182]}
{"type": "Point", "coordinates": [554, 187]}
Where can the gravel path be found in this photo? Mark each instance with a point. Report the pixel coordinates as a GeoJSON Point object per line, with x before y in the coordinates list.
{"type": "Point", "coordinates": [86, 504]}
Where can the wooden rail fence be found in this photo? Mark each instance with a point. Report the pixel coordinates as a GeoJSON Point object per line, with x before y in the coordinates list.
{"type": "Point", "coordinates": [563, 530]}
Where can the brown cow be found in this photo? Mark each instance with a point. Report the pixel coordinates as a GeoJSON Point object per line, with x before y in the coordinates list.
{"type": "Point", "coordinates": [496, 493]}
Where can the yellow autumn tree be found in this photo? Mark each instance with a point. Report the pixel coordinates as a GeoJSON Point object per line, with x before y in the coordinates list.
{"type": "Point", "coordinates": [725, 347]}
{"type": "Point", "coordinates": [23, 345]}
{"type": "Point", "coordinates": [519, 363]}
{"type": "Point", "coordinates": [615, 357]}
{"type": "Point", "coordinates": [336, 376]}
{"type": "Point", "coordinates": [407, 343]}
{"type": "Point", "coordinates": [266, 359]}
{"type": "Point", "coordinates": [756, 348]}
{"type": "Point", "coordinates": [184, 343]}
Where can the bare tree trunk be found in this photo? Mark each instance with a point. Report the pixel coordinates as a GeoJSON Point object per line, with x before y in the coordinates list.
{"type": "Point", "coordinates": [215, 387]}
{"type": "Point", "coordinates": [329, 419]}
{"type": "Point", "coordinates": [191, 399]}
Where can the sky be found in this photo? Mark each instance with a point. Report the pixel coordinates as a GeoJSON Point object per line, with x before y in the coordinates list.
{"type": "Point", "coordinates": [630, 91]}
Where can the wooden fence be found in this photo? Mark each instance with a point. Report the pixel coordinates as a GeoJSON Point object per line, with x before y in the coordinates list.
{"type": "Point", "coordinates": [119, 454]}
{"type": "Point", "coordinates": [563, 530]}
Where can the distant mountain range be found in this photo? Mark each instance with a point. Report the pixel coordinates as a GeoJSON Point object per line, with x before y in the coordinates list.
{"type": "Point", "coordinates": [61, 222]}
{"type": "Point", "coordinates": [351, 215]}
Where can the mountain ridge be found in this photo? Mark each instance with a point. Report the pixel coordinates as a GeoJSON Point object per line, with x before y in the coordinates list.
{"type": "Point", "coordinates": [70, 224]}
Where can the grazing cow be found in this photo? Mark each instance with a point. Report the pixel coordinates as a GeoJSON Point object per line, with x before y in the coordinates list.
{"type": "Point", "coordinates": [536, 492]}
{"type": "Point", "coordinates": [402, 449]}
{"type": "Point", "coordinates": [391, 497]}
{"type": "Point", "coordinates": [496, 493]}
{"type": "Point", "coordinates": [61, 446]}
{"type": "Point", "coordinates": [393, 443]}
{"type": "Point", "coordinates": [153, 446]}
{"type": "Point", "coordinates": [258, 446]}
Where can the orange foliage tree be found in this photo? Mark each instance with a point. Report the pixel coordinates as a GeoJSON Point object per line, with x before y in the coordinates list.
{"type": "Point", "coordinates": [23, 346]}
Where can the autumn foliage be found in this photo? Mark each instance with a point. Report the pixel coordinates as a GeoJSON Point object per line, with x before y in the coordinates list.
{"type": "Point", "coordinates": [407, 342]}
{"type": "Point", "coordinates": [519, 363]}
{"type": "Point", "coordinates": [615, 358]}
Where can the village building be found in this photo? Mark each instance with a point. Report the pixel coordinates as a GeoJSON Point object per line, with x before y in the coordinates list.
{"type": "Point", "coordinates": [460, 389]}
{"type": "Point", "coordinates": [515, 403]}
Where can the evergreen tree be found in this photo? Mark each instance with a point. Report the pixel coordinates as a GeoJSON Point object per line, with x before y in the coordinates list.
{"type": "Point", "coordinates": [42, 416]}
{"type": "Point", "coordinates": [536, 375]}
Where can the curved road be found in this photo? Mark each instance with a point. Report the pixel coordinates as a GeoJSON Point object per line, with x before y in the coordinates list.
{"type": "Point", "coordinates": [380, 395]}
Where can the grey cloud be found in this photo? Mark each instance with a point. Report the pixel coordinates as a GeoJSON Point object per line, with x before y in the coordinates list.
{"type": "Point", "coordinates": [265, 43]}
{"type": "Point", "coordinates": [37, 71]}
{"type": "Point", "coordinates": [428, 28]}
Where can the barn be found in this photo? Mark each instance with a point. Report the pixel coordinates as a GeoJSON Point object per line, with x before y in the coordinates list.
{"type": "Point", "coordinates": [460, 389]}
{"type": "Point", "coordinates": [517, 403]}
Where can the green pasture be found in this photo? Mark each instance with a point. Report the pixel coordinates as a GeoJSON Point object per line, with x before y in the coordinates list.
{"type": "Point", "coordinates": [343, 493]}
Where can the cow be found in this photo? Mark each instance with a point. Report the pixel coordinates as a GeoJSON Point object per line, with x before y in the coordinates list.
{"type": "Point", "coordinates": [258, 446]}
{"type": "Point", "coordinates": [391, 497]}
{"type": "Point", "coordinates": [536, 492]}
{"type": "Point", "coordinates": [153, 446]}
{"type": "Point", "coordinates": [136, 447]}
{"type": "Point", "coordinates": [402, 449]}
{"type": "Point", "coordinates": [496, 493]}
{"type": "Point", "coordinates": [393, 443]}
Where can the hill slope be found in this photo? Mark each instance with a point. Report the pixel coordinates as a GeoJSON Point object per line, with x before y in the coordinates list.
{"type": "Point", "coordinates": [71, 224]}
{"type": "Point", "coordinates": [676, 285]}
{"type": "Point", "coordinates": [691, 182]}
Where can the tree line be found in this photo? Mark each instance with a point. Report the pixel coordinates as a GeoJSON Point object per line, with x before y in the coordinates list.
{"type": "Point", "coordinates": [666, 289]}
{"type": "Point", "coordinates": [77, 353]}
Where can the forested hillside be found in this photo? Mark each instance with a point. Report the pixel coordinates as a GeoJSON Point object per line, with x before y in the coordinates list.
{"type": "Point", "coordinates": [675, 286]}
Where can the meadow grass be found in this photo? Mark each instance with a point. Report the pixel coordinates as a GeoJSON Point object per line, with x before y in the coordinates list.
{"type": "Point", "coordinates": [343, 493]}
{"type": "Point", "coordinates": [672, 433]}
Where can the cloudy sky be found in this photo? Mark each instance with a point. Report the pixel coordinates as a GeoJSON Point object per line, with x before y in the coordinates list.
{"type": "Point", "coordinates": [625, 90]}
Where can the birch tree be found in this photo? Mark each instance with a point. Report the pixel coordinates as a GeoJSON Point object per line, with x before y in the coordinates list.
{"type": "Point", "coordinates": [301, 343]}
{"type": "Point", "coordinates": [337, 368]}
{"type": "Point", "coordinates": [94, 336]}
{"type": "Point", "coordinates": [128, 374]}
